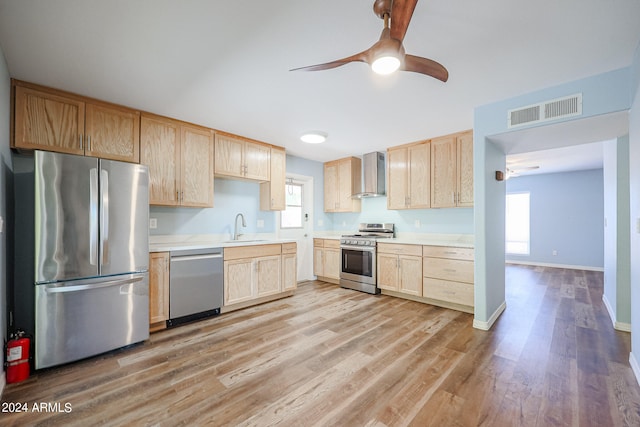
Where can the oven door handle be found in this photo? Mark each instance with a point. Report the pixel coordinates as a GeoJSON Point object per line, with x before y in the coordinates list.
{"type": "Point", "coordinates": [359, 248]}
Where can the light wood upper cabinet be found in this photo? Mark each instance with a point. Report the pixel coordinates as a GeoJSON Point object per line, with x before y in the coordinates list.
{"type": "Point", "coordinates": [197, 167]}
{"type": "Point", "coordinates": [239, 158]}
{"type": "Point", "coordinates": [408, 171]}
{"type": "Point", "coordinates": [452, 170]}
{"type": "Point", "coordinates": [180, 161]}
{"type": "Point", "coordinates": [158, 290]}
{"type": "Point", "coordinates": [465, 169]}
{"type": "Point", "coordinates": [342, 179]}
{"type": "Point", "coordinates": [112, 133]}
{"type": "Point", "coordinates": [47, 119]}
{"type": "Point", "coordinates": [272, 193]}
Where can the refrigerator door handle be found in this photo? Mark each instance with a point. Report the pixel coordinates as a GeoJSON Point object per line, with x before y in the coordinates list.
{"type": "Point", "coordinates": [53, 289]}
{"type": "Point", "coordinates": [104, 225]}
{"type": "Point", "coordinates": [93, 216]}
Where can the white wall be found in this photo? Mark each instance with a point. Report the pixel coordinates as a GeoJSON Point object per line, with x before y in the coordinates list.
{"type": "Point", "coordinates": [634, 181]}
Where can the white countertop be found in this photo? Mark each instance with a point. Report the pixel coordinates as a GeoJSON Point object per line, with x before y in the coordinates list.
{"type": "Point", "coordinates": [189, 242]}
{"type": "Point", "coordinates": [453, 240]}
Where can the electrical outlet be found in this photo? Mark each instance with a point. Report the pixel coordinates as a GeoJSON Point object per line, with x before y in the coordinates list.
{"type": "Point", "coordinates": [153, 223]}
{"type": "Point", "coordinates": [554, 252]}
{"type": "Point", "coordinates": [260, 223]}
{"type": "Point", "coordinates": [638, 225]}
{"type": "Point", "coordinates": [416, 223]}
{"type": "Point", "coordinates": [320, 223]}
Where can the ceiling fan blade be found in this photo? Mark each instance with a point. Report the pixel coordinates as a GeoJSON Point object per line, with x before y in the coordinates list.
{"type": "Point", "coordinates": [401, 13]}
{"type": "Point", "coordinates": [358, 57]}
{"type": "Point", "coordinates": [426, 66]}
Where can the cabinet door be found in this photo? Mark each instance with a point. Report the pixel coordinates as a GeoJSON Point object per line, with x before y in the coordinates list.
{"type": "Point", "coordinates": [268, 275]}
{"type": "Point", "coordinates": [197, 167]}
{"type": "Point", "coordinates": [228, 156]}
{"type": "Point", "coordinates": [397, 172]}
{"type": "Point", "coordinates": [388, 271]}
{"type": "Point", "coordinates": [332, 263]}
{"type": "Point", "coordinates": [349, 183]}
{"type": "Point", "coordinates": [158, 287]}
{"type": "Point", "coordinates": [272, 193]}
{"type": "Point", "coordinates": [238, 281]}
{"type": "Point", "coordinates": [160, 151]}
{"type": "Point", "coordinates": [318, 262]}
{"type": "Point", "coordinates": [465, 169]}
{"type": "Point", "coordinates": [419, 176]}
{"type": "Point", "coordinates": [443, 172]}
{"type": "Point", "coordinates": [289, 272]}
{"type": "Point", "coordinates": [257, 161]}
{"type": "Point", "coordinates": [112, 133]}
{"type": "Point", "coordinates": [331, 187]}
{"type": "Point", "coordinates": [48, 122]}
{"type": "Point", "coordinates": [410, 275]}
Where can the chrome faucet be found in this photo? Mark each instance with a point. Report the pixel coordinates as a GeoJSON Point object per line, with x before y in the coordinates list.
{"type": "Point", "coordinates": [235, 226]}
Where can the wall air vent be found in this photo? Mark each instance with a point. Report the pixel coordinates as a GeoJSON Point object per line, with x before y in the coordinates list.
{"type": "Point", "coordinates": [545, 111]}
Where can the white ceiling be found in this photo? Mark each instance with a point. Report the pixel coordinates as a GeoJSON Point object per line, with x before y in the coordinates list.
{"type": "Point", "coordinates": [224, 64]}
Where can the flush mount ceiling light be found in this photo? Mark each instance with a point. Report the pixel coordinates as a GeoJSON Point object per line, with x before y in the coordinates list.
{"type": "Point", "coordinates": [314, 137]}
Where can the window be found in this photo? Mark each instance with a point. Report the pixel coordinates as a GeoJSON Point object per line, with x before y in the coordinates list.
{"type": "Point", "coordinates": [291, 217]}
{"type": "Point", "coordinates": [517, 224]}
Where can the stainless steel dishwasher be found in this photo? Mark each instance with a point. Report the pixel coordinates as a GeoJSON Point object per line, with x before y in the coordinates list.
{"type": "Point", "coordinates": [195, 284]}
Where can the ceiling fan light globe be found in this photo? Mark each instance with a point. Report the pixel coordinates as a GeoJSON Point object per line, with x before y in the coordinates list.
{"type": "Point", "coordinates": [385, 65]}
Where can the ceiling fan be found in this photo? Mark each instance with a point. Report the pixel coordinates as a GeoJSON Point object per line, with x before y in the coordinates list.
{"type": "Point", "coordinates": [513, 171]}
{"type": "Point", "coordinates": [387, 54]}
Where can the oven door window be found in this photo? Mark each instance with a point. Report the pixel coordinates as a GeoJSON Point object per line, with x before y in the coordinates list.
{"type": "Point", "coordinates": [356, 262]}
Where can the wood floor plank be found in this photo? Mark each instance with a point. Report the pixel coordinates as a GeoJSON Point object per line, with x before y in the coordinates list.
{"type": "Point", "coordinates": [332, 356]}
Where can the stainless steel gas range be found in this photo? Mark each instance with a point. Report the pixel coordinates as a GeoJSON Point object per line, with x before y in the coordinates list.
{"type": "Point", "coordinates": [358, 256]}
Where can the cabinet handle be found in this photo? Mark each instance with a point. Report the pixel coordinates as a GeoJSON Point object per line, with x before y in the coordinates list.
{"type": "Point", "coordinates": [89, 143]}
{"type": "Point", "coordinates": [80, 140]}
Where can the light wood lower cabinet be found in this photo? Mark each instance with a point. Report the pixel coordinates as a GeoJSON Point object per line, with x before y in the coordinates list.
{"type": "Point", "coordinates": [399, 268]}
{"type": "Point", "coordinates": [158, 290]}
{"type": "Point", "coordinates": [289, 266]}
{"type": "Point", "coordinates": [448, 275]}
{"type": "Point", "coordinates": [253, 274]}
{"type": "Point", "coordinates": [326, 260]}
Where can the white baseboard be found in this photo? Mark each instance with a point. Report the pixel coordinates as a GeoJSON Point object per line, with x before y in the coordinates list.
{"type": "Point", "coordinates": [634, 367]}
{"type": "Point", "coordinates": [619, 326]}
{"type": "Point", "coordinates": [546, 264]}
{"type": "Point", "coordinates": [485, 326]}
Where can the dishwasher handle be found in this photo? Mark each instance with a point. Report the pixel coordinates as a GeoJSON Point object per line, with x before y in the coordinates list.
{"type": "Point", "coordinates": [175, 258]}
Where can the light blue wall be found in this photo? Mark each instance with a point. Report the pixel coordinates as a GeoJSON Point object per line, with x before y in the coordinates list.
{"type": "Point", "coordinates": [5, 184]}
{"type": "Point", "coordinates": [300, 166]}
{"type": "Point", "coordinates": [617, 286]}
{"type": "Point", "coordinates": [634, 175]}
{"type": "Point", "coordinates": [230, 197]}
{"type": "Point", "coordinates": [566, 215]}
{"type": "Point", "coordinates": [602, 94]}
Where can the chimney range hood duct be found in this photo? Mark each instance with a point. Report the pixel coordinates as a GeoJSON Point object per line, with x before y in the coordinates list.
{"type": "Point", "coordinates": [373, 175]}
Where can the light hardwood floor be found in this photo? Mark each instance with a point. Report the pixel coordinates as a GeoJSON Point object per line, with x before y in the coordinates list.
{"type": "Point", "coordinates": [334, 357]}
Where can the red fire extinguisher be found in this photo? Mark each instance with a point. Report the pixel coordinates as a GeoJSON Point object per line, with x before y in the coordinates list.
{"type": "Point", "coordinates": [18, 357]}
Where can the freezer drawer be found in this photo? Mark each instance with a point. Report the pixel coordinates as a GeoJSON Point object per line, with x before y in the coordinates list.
{"type": "Point", "coordinates": [83, 318]}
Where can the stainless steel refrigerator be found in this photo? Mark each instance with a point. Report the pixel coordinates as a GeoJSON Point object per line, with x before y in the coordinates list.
{"type": "Point", "coordinates": [81, 254]}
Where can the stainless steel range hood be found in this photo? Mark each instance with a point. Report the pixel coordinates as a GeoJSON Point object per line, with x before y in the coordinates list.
{"type": "Point", "coordinates": [373, 175]}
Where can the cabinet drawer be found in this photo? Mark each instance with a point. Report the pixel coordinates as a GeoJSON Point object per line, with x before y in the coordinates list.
{"type": "Point", "coordinates": [444, 290]}
{"type": "Point", "coordinates": [448, 252]}
{"type": "Point", "coordinates": [289, 248]}
{"type": "Point", "coordinates": [332, 243]}
{"type": "Point", "coordinates": [256, 251]}
{"type": "Point", "coordinates": [448, 269]}
{"type": "Point", "coordinates": [393, 248]}
{"type": "Point", "coordinates": [318, 243]}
